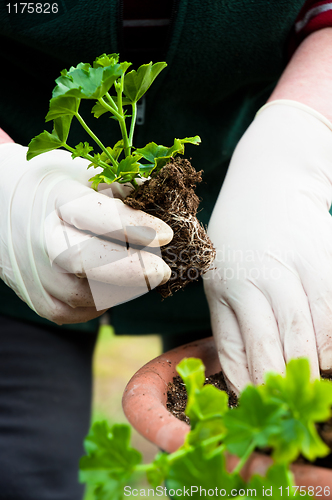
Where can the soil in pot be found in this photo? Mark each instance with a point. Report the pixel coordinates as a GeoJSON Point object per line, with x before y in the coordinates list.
{"type": "Point", "coordinates": [170, 195]}
{"type": "Point", "coordinates": [177, 400]}
{"type": "Point", "coordinates": [177, 395]}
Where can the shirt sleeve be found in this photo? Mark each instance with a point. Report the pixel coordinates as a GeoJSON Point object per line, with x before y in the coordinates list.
{"type": "Point", "coordinates": [313, 16]}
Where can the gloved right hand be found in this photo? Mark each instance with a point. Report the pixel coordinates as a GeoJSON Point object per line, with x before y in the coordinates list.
{"type": "Point", "coordinates": [58, 236]}
{"type": "Point", "coordinates": [270, 289]}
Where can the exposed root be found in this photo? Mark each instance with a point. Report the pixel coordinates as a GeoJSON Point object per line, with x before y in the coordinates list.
{"type": "Point", "coordinates": [170, 196]}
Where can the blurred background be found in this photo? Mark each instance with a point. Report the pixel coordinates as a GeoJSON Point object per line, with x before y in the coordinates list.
{"type": "Point", "coordinates": [116, 359]}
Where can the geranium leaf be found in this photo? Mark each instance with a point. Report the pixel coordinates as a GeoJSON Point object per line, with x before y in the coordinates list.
{"type": "Point", "coordinates": [86, 82]}
{"type": "Point", "coordinates": [108, 449]}
{"type": "Point", "coordinates": [62, 105]}
{"type": "Point", "coordinates": [192, 372]}
{"type": "Point", "coordinates": [106, 60]}
{"type": "Point", "coordinates": [204, 402]}
{"type": "Point", "coordinates": [128, 165]}
{"type": "Point", "coordinates": [160, 155]}
{"type": "Point", "coordinates": [254, 420]}
{"type": "Point", "coordinates": [99, 110]}
{"type": "Point", "coordinates": [43, 143]}
{"type": "Point", "coordinates": [278, 478]}
{"type": "Point", "coordinates": [197, 469]}
{"type": "Point", "coordinates": [145, 170]}
{"type": "Point", "coordinates": [136, 83]}
{"type": "Point", "coordinates": [158, 473]}
{"type": "Point", "coordinates": [82, 150]}
{"type": "Point", "coordinates": [307, 402]}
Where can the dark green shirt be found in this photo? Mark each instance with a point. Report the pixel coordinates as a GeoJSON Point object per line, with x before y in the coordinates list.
{"type": "Point", "coordinates": [224, 58]}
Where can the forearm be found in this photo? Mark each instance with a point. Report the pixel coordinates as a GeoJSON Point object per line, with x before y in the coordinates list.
{"type": "Point", "coordinates": [308, 76]}
{"type": "Point", "coordinates": [4, 138]}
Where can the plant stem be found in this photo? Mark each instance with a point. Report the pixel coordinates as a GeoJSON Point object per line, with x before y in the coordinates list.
{"type": "Point", "coordinates": [177, 454]}
{"type": "Point", "coordinates": [143, 467]}
{"type": "Point", "coordinates": [110, 108]}
{"type": "Point", "coordinates": [245, 457]}
{"type": "Point", "coordinates": [217, 451]}
{"type": "Point", "coordinates": [213, 439]}
{"type": "Point", "coordinates": [97, 141]}
{"type": "Point", "coordinates": [133, 123]}
{"type": "Point", "coordinates": [123, 128]}
{"type": "Point", "coordinates": [72, 150]}
{"type": "Point", "coordinates": [109, 98]}
{"type": "Point", "coordinates": [120, 117]}
{"type": "Point", "coordinates": [122, 121]}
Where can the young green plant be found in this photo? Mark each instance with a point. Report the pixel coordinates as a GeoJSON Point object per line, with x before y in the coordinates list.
{"type": "Point", "coordinates": [279, 415]}
{"type": "Point", "coordinates": [114, 91]}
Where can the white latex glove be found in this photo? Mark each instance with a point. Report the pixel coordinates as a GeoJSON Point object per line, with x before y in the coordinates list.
{"type": "Point", "coordinates": [50, 220]}
{"type": "Point", "coordinates": [270, 294]}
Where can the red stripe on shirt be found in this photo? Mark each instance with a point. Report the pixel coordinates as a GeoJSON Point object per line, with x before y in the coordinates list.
{"type": "Point", "coordinates": [314, 15]}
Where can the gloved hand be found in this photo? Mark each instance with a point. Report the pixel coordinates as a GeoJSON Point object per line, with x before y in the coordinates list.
{"type": "Point", "coordinates": [50, 221]}
{"type": "Point", "coordinates": [270, 294]}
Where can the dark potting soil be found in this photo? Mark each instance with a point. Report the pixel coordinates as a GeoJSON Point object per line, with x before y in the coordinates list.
{"type": "Point", "coordinates": [177, 400]}
{"type": "Point", "coordinates": [177, 394]}
{"type": "Point", "coordinates": [170, 195]}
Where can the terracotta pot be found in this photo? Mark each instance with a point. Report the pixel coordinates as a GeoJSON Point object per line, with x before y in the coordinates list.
{"type": "Point", "coordinates": [144, 404]}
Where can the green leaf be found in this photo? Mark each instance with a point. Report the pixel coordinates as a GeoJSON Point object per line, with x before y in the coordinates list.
{"type": "Point", "coordinates": [96, 180]}
{"type": "Point", "coordinates": [43, 143]}
{"type": "Point", "coordinates": [205, 430]}
{"type": "Point", "coordinates": [209, 402]}
{"type": "Point", "coordinates": [306, 402]}
{"type": "Point", "coordinates": [136, 83]}
{"type": "Point", "coordinates": [86, 82]}
{"type": "Point", "coordinates": [109, 490]}
{"type": "Point", "coordinates": [192, 372]}
{"type": "Point", "coordinates": [62, 105]}
{"type": "Point", "coordinates": [255, 420]}
{"type": "Point", "coordinates": [82, 150]}
{"type": "Point", "coordinates": [204, 402]}
{"type": "Point", "coordinates": [196, 140]}
{"type": "Point", "coordinates": [160, 155]}
{"type": "Point", "coordinates": [277, 476]}
{"type": "Point", "coordinates": [98, 110]}
{"type": "Point", "coordinates": [108, 450]}
{"type": "Point", "coordinates": [308, 399]}
{"type": "Point", "coordinates": [145, 170]}
{"type": "Point", "coordinates": [152, 151]}
{"type": "Point", "coordinates": [110, 460]}
{"type": "Point", "coordinates": [106, 176]}
{"type": "Point", "coordinates": [286, 444]}
{"type": "Point", "coordinates": [115, 151]}
{"type": "Point", "coordinates": [61, 127]}
{"type": "Point", "coordinates": [197, 469]}
{"type": "Point", "coordinates": [106, 60]}
{"type": "Point", "coordinates": [96, 161]}
{"type": "Point", "coordinates": [159, 469]}
{"type": "Point", "coordinates": [128, 166]}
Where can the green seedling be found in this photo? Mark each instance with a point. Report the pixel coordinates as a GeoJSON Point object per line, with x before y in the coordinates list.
{"type": "Point", "coordinates": [279, 415]}
{"type": "Point", "coordinates": [116, 91]}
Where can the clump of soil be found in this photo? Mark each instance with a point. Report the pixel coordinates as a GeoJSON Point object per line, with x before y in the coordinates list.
{"type": "Point", "coordinates": [177, 394]}
{"type": "Point", "coordinates": [170, 195]}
